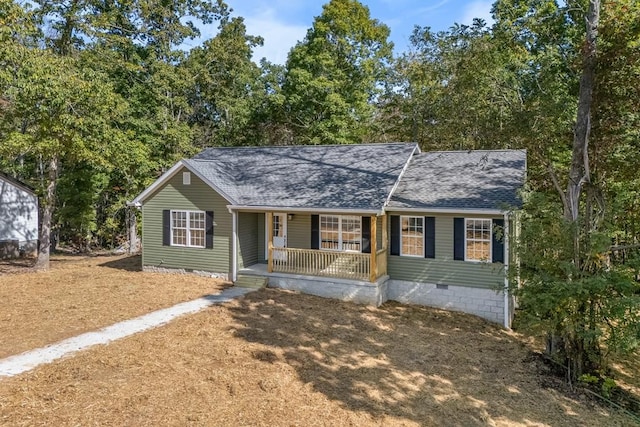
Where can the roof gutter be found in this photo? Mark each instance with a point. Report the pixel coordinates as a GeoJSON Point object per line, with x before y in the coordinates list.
{"type": "Point", "coordinates": [306, 210]}
{"type": "Point", "coordinates": [446, 210]}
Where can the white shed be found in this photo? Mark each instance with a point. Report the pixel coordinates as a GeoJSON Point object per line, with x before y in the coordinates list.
{"type": "Point", "coordinates": [18, 218]}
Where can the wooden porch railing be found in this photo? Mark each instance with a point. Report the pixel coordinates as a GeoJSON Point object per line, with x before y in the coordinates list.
{"type": "Point", "coordinates": [310, 262]}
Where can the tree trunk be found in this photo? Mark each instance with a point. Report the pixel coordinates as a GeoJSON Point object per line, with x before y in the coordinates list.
{"type": "Point", "coordinates": [133, 230]}
{"type": "Point", "coordinates": [579, 173]}
{"type": "Point", "coordinates": [42, 263]}
{"type": "Point", "coordinates": [571, 345]}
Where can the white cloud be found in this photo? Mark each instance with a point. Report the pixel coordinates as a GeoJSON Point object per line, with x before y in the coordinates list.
{"type": "Point", "coordinates": [431, 8]}
{"type": "Point", "coordinates": [279, 37]}
{"type": "Point", "coordinates": [477, 9]}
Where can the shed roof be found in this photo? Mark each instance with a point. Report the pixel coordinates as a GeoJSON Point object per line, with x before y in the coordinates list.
{"type": "Point", "coordinates": [358, 177]}
{"type": "Point", "coordinates": [8, 178]}
{"type": "Point", "coordinates": [466, 180]}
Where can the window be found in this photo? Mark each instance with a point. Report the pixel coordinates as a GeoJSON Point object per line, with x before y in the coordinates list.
{"type": "Point", "coordinates": [340, 233]}
{"type": "Point", "coordinates": [412, 235]}
{"type": "Point", "coordinates": [188, 228]}
{"type": "Point", "coordinates": [477, 240]}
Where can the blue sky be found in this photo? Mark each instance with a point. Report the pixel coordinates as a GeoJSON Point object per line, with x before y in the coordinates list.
{"type": "Point", "coordinates": [283, 22]}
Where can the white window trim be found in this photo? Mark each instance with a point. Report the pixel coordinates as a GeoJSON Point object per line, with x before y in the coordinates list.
{"type": "Point", "coordinates": [340, 243]}
{"type": "Point", "coordinates": [423, 236]}
{"type": "Point", "coordinates": [188, 228]}
{"type": "Point", "coordinates": [488, 260]}
{"type": "Point", "coordinates": [186, 178]}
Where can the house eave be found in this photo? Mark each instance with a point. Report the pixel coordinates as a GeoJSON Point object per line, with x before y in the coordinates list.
{"type": "Point", "coordinates": [446, 210]}
{"type": "Point", "coordinates": [304, 210]}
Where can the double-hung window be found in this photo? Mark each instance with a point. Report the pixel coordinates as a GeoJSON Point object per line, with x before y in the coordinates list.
{"type": "Point", "coordinates": [188, 228]}
{"type": "Point", "coordinates": [412, 235]}
{"type": "Point", "coordinates": [341, 233]}
{"type": "Point", "coordinates": [477, 239]}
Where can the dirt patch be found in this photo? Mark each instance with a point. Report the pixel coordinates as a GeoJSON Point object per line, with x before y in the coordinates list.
{"type": "Point", "coordinates": [276, 358]}
{"type": "Point", "coordinates": [626, 372]}
{"type": "Point", "coordinates": [81, 294]}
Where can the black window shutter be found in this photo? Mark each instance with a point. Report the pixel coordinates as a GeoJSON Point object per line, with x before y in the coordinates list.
{"type": "Point", "coordinates": [209, 229]}
{"type": "Point", "coordinates": [366, 234]}
{"type": "Point", "coordinates": [429, 237]}
{"type": "Point", "coordinates": [458, 239]}
{"type": "Point", "coordinates": [497, 244]}
{"type": "Point", "coordinates": [315, 231]}
{"type": "Point", "coordinates": [395, 235]}
{"type": "Point", "coordinates": [166, 228]}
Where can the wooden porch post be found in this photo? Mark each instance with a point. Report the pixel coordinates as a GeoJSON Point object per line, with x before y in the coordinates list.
{"type": "Point", "coordinates": [270, 242]}
{"type": "Point", "coordinates": [373, 273]}
{"type": "Point", "coordinates": [385, 240]}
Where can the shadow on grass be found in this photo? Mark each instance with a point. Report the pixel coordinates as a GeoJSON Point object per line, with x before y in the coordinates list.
{"type": "Point", "coordinates": [18, 265]}
{"type": "Point", "coordinates": [406, 362]}
{"type": "Point", "coordinates": [130, 263]}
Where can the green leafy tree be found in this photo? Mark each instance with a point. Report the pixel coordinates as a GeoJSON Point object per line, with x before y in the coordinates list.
{"type": "Point", "coordinates": [457, 89]}
{"type": "Point", "coordinates": [577, 287]}
{"type": "Point", "coordinates": [126, 53]}
{"type": "Point", "coordinates": [334, 75]}
{"type": "Point", "coordinates": [225, 87]}
{"type": "Point", "coordinates": [61, 114]}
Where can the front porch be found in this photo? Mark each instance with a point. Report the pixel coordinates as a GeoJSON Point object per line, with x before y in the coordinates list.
{"type": "Point", "coordinates": [302, 252]}
{"type": "Point", "coordinates": [344, 264]}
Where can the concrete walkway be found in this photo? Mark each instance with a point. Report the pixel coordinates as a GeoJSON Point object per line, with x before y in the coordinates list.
{"type": "Point", "coordinates": [26, 361]}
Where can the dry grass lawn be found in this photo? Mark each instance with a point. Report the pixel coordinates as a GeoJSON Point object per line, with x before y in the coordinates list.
{"type": "Point", "coordinates": [81, 294]}
{"type": "Point", "coordinates": [276, 358]}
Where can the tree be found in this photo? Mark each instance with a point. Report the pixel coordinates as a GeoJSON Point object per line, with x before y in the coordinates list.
{"type": "Point", "coordinates": [62, 114]}
{"type": "Point", "coordinates": [334, 75]}
{"type": "Point", "coordinates": [577, 288]}
{"type": "Point", "coordinates": [224, 89]}
{"type": "Point", "coordinates": [457, 89]}
{"type": "Point", "coordinates": [128, 51]}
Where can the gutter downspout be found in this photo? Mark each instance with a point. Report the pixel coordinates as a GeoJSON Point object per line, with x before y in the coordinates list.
{"type": "Point", "coordinates": [507, 316]}
{"type": "Point", "coordinates": [234, 245]}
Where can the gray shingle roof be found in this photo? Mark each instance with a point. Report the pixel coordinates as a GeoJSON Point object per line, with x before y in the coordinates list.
{"type": "Point", "coordinates": [462, 180]}
{"type": "Point", "coordinates": [357, 176]}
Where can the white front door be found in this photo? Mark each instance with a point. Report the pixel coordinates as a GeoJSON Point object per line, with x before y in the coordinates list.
{"type": "Point", "coordinates": [279, 235]}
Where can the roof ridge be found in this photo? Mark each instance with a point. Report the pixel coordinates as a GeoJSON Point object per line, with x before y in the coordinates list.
{"type": "Point", "coordinates": [475, 151]}
{"type": "Point", "coordinates": [309, 145]}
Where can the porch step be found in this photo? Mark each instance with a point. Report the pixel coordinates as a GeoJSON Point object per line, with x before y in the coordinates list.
{"type": "Point", "coordinates": [254, 282]}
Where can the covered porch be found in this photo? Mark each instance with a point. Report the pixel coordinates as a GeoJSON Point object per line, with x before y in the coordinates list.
{"type": "Point", "coordinates": [367, 265]}
{"type": "Point", "coordinates": [348, 246]}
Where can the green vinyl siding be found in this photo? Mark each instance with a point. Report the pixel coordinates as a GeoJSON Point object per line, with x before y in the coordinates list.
{"type": "Point", "coordinates": [247, 239]}
{"type": "Point", "coordinates": [262, 247]}
{"type": "Point", "coordinates": [379, 232]}
{"type": "Point", "coordinates": [443, 269]}
{"type": "Point", "coordinates": [299, 231]}
{"type": "Point", "coordinates": [196, 196]}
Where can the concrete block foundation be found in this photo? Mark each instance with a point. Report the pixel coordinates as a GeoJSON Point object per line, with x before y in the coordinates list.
{"type": "Point", "coordinates": [154, 269]}
{"type": "Point", "coordinates": [482, 302]}
{"type": "Point", "coordinates": [356, 291]}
